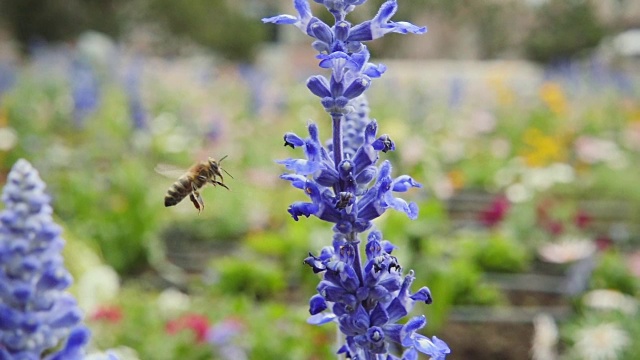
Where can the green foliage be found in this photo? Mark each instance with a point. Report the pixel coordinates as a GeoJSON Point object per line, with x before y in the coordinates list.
{"type": "Point", "coordinates": [564, 29]}
{"type": "Point", "coordinates": [613, 273]}
{"type": "Point", "coordinates": [454, 278]}
{"type": "Point", "coordinates": [256, 279]}
{"type": "Point", "coordinates": [116, 212]}
{"type": "Point", "coordinates": [99, 190]}
{"type": "Point", "coordinates": [501, 253]}
{"type": "Point", "coordinates": [59, 20]}
{"type": "Point", "coordinates": [213, 24]}
{"type": "Point", "coordinates": [287, 247]}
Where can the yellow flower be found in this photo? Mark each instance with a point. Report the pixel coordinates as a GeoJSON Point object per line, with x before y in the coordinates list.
{"type": "Point", "coordinates": [554, 97]}
{"type": "Point", "coordinates": [456, 177]}
{"type": "Point", "coordinates": [504, 94]}
{"type": "Point", "coordinates": [542, 149]}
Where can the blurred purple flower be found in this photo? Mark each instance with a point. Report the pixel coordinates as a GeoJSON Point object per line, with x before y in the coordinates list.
{"type": "Point", "coordinates": [85, 90]}
{"type": "Point", "coordinates": [224, 337]}
{"type": "Point", "coordinates": [132, 85]}
{"type": "Point", "coordinates": [7, 77]}
{"type": "Point", "coordinates": [36, 313]}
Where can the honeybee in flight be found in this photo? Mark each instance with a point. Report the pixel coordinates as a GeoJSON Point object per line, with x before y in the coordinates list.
{"type": "Point", "coordinates": [191, 181]}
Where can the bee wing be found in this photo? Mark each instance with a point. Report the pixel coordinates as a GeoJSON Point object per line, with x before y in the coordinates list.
{"type": "Point", "coordinates": [170, 171]}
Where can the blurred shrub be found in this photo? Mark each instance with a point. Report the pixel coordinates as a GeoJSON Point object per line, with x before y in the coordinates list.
{"type": "Point", "coordinates": [99, 190]}
{"type": "Point", "coordinates": [612, 273]}
{"type": "Point", "coordinates": [257, 279]}
{"type": "Point", "coordinates": [115, 211]}
{"type": "Point", "coordinates": [193, 230]}
{"type": "Point", "coordinates": [192, 241]}
{"type": "Point", "coordinates": [454, 278]}
{"type": "Point", "coordinates": [59, 20]}
{"type": "Point", "coordinates": [564, 28]}
{"type": "Point", "coordinates": [213, 24]}
{"type": "Point", "coordinates": [288, 246]}
{"type": "Point", "coordinates": [501, 254]}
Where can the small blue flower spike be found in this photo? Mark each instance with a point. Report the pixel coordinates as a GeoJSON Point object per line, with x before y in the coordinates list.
{"type": "Point", "coordinates": [367, 297]}
{"type": "Point", "coordinates": [37, 315]}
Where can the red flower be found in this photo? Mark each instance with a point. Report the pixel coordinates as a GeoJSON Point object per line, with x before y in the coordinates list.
{"type": "Point", "coordinates": [603, 242]}
{"type": "Point", "coordinates": [110, 314]}
{"type": "Point", "coordinates": [582, 219]}
{"type": "Point", "coordinates": [495, 212]}
{"type": "Point", "coordinates": [198, 324]}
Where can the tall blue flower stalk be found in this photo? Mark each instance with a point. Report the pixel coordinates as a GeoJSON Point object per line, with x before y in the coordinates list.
{"type": "Point", "coordinates": [368, 297]}
{"type": "Point", "coordinates": [38, 318]}
{"type": "Point", "coordinates": [85, 90]}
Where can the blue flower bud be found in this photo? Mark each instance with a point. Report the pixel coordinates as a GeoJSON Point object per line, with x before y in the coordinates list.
{"type": "Point", "coordinates": [424, 295]}
{"type": "Point", "coordinates": [404, 183]}
{"type": "Point", "coordinates": [357, 87]}
{"type": "Point", "coordinates": [341, 29]}
{"type": "Point", "coordinates": [317, 304]}
{"type": "Point", "coordinates": [319, 86]}
{"type": "Point", "coordinates": [384, 144]}
{"type": "Point", "coordinates": [321, 31]}
{"type": "Point", "coordinates": [302, 209]}
{"type": "Point", "coordinates": [292, 140]}
{"type": "Point", "coordinates": [321, 47]}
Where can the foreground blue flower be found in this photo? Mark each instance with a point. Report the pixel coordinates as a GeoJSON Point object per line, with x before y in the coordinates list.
{"type": "Point", "coordinates": [37, 315]}
{"type": "Point", "coordinates": [347, 187]}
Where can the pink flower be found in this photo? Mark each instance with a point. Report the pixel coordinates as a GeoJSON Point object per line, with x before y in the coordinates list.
{"type": "Point", "coordinates": [109, 314]}
{"type": "Point", "coordinates": [198, 324]}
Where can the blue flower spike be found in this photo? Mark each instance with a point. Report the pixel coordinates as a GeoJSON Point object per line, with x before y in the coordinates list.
{"type": "Point", "coordinates": [37, 315]}
{"type": "Point", "coordinates": [368, 296]}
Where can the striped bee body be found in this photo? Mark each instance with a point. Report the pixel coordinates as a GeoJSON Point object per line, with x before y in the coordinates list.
{"type": "Point", "coordinates": [193, 180]}
{"type": "Point", "coordinates": [189, 182]}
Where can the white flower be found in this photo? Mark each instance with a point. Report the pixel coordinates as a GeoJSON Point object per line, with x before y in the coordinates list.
{"type": "Point", "coordinates": [567, 250]}
{"type": "Point", "coordinates": [545, 338]}
{"type": "Point", "coordinates": [518, 193]}
{"type": "Point", "coordinates": [483, 122]}
{"type": "Point", "coordinates": [600, 342]}
{"type": "Point", "coordinates": [604, 299]}
{"type": "Point", "coordinates": [97, 286]}
{"type": "Point", "coordinates": [172, 302]}
{"type": "Point", "coordinates": [8, 138]}
{"type": "Point", "coordinates": [593, 150]}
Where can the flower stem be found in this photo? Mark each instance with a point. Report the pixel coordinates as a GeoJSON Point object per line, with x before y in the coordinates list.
{"type": "Point", "coordinates": [337, 139]}
{"type": "Point", "coordinates": [357, 263]}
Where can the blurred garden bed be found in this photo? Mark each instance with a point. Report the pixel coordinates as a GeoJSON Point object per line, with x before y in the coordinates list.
{"type": "Point", "coordinates": [514, 158]}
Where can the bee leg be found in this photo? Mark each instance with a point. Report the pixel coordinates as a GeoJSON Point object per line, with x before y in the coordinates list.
{"type": "Point", "coordinates": [195, 202]}
{"type": "Point", "coordinates": [215, 182]}
{"type": "Point", "coordinates": [196, 199]}
{"type": "Point", "coordinates": [200, 201]}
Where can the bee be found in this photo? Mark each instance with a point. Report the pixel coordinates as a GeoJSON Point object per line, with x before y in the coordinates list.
{"type": "Point", "coordinates": [191, 181]}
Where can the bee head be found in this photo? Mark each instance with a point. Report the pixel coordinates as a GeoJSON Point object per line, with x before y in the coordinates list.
{"type": "Point", "coordinates": [213, 163]}
{"type": "Point", "coordinates": [215, 166]}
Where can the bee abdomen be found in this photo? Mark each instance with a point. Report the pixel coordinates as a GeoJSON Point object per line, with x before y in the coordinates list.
{"type": "Point", "coordinates": [177, 192]}
{"type": "Point", "coordinates": [170, 201]}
